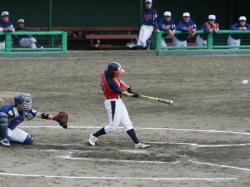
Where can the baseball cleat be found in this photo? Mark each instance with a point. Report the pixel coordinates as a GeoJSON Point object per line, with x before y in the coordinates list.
{"type": "Point", "coordinates": [5, 142]}
{"type": "Point", "coordinates": [92, 140]}
{"type": "Point", "coordinates": [142, 146]}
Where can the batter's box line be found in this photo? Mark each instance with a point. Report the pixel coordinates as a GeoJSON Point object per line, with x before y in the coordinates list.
{"type": "Point", "coordinates": [144, 128]}
{"type": "Point", "coordinates": [206, 179]}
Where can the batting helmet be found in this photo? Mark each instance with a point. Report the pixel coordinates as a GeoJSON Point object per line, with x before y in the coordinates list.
{"type": "Point", "coordinates": [115, 67]}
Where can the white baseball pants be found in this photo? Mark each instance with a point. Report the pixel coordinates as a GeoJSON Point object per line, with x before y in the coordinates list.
{"type": "Point", "coordinates": [17, 135]}
{"type": "Point", "coordinates": [179, 43]}
{"type": "Point", "coordinates": [28, 42]}
{"type": "Point", "coordinates": [200, 41]}
{"type": "Point", "coordinates": [145, 33]}
{"type": "Point", "coordinates": [233, 42]}
{"type": "Point", "coordinates": [117, 114]}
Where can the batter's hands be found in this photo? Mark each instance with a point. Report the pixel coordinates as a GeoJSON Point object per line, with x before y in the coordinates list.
{"type": "Point", "coordinates": [134, 94]}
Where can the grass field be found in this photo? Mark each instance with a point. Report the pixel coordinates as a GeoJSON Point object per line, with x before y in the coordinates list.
{"type": "Point", "coordinates": [203, 140]}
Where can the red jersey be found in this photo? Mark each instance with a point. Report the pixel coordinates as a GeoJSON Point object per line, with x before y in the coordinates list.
{"type": "Point", "coordinates": [112, 87]}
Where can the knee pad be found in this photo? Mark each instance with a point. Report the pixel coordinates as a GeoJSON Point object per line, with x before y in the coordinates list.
{"type": "Point", "coordinates": [29, 140]}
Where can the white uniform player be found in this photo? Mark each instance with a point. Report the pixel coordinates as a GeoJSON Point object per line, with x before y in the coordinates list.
{"type": "Point", "coordinates": [113, 88]}
{"type": "Point", "coordinates": [148, 25]}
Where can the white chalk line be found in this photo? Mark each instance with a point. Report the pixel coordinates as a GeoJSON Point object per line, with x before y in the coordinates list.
{"type": "Point", "coordinates": [69, 157]}
{"type": "Point", "coordinates": [145, 128]}
{"type": "Point", "coordinates": [220, 165]}
{"type": "Point", "coordinates": [212, 179]}
{"type": "Point", "coordinates": [200, 145]}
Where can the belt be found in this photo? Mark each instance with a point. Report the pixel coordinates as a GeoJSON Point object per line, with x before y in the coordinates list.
{"type": "Point", "coordinates": [113, 98]}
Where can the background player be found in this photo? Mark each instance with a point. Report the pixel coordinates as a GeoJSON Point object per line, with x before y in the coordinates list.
{"type": "Point", "coordinates": [235, 39]}
{"type": "Point", "coordinates": [187, 26]}
{"type": "Point", "coordinates": [210, 26]}
{"type": "Point", "coordinates": [25, 40]}
{"type": "Point", "coordinates": [167, 25]}
{"type": "Point", "coordinates": [148, 25]}
{"type": "Point", "coordinates": [5, 26]}
{"type": "Point", "coordinates": [13, 115]}
{"type": "Point", "coordinates": [113, 88]}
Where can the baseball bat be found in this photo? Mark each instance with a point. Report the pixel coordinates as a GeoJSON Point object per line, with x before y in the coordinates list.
{"type": "Point", "coordinates": [166, 101]}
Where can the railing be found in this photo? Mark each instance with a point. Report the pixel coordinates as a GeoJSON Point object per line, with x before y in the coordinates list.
{"type": "Point", "coordinates": [214, 40]}
{"type": "Point", "coordinates": [47, 40]}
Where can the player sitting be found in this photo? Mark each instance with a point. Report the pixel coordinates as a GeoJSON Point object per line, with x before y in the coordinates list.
{"type": "Point", "coordinates": [167, 25]}
{"type": "Point", "coordinates": [26, 41]}
{"type": "Point", "coordinates": [235, 39]}
{"type": "Point", "coordinates": [149, 23]}
{"type": "Point", "coordinates": [5, 26]}
{"type": "Point", "coordinates": [188, 27]}
{"type": "Point", "coordinates": [113, 88]}
{"type": "Point", "coordinates": [209, 27]}
{"type": "Point", "coordinates": [13, 115]}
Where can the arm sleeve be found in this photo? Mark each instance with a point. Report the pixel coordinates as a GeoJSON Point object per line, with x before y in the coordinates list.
{"type": "Point", "coordinates": [182, 27]}
{"type": "Point", "coordinates": [234, 27]}
{"type": "Point", "coordinates": [113, 86]}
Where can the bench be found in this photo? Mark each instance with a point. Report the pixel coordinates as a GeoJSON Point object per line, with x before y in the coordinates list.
{"type": "Point", "coordinates": [97, 34]}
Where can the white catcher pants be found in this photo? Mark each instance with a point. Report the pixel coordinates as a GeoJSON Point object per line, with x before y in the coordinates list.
{"type": "Point", "coordinates": [145, 33]}
{"type": "Point", "coordinates": [17, 135]}
{"type": "Point", "coordinates": [117, 114]}
{"type": "Point", "coordinates": [28, 42]}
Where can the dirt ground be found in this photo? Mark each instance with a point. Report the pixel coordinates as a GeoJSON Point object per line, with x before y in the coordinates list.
{"type": "Point", "coordinates": [203, 140]}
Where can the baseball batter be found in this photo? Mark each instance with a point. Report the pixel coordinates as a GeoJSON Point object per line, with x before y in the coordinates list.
{"type": "Point", "coordinates": [167, 25]}
{"type": "Point", "coordinates": [12, 115]}
{"type": "Point", "coordinates": [187, 26]}
{"type": "Point", "coordinates": [210, 26]}
{"type": "Point", "coordinates": [113, 88]}
{"type": "Point", "coordinates": [149, 23]}
{"type": "Point", "coordinates": [235, 39]}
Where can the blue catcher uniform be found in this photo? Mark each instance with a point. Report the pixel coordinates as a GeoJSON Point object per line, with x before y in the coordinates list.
{"type": "Point", "coordinates": [148, 25]}
{"type": "Point", "coordinates": [10, 118]}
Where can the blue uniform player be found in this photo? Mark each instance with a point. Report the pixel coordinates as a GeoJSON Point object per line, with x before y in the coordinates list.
{"type": "Point", "coordinates": [187, 26]}
{"type": "Point", "coordinates": [168, 26]}
{"type": "Point", "coordinates": [12, 115]}
{"type": "Point", "coordinates": [210, 26]}
{"type": "Point", "coordinates": [235, 39]}
{"type": "Point", "coordinates": [5, 26]}
{"type": "Point", "coordinates": [148, 26]}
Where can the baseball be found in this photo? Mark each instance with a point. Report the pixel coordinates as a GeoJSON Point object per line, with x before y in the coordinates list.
{"type": "Point", "coordinates": [245, 82]}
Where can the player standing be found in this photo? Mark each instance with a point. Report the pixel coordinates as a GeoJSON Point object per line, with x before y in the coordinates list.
{"type": "Point", "coordinates": [235, 39]}
{"type": "Point", "coordinates": [210, 26]}
{"type": "Point", "coordinates": [148, 25]}
{"type": "Point", "coordinates": [167, 25]}
{"type": "Point", "coordinates": [113, 88]}
{"type": "Point", "coordinates": [13, 115]}
{"type": "Point", "coordinates": [187, 26]}
{"type": "Point", "coordinates": [5, 26]}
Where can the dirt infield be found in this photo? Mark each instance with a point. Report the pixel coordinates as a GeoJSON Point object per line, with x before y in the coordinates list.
{"type": "Point", "coordinates": [203, 140]}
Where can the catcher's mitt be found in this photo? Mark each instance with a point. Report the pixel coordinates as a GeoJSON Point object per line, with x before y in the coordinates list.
{"type": "Point", "coordinates": [62, 119]}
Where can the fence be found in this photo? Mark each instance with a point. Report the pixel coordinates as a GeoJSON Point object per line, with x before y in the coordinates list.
{"type": "Point", "coordinates": [214, 40]}
{"type": "Point", "coordinates": [43, 40]}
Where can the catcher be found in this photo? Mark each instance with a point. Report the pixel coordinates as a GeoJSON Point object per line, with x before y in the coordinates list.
{"type": "Point", "coordinates": [210, 26]}
{"type": "Point", "coordinates": [12, 115]}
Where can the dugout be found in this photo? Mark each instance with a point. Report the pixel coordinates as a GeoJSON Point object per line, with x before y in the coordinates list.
{"type": "Point", "coordinates": [84, 13]}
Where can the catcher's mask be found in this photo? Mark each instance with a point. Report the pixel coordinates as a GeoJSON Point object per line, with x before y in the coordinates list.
{"type": "Point", "coordinates": [24, 100]}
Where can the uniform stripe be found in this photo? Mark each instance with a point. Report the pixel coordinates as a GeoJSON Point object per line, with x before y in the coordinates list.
{"type": "Point", "coordinates": [113, 109]}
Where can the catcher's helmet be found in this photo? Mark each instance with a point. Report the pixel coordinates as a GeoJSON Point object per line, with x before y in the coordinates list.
{"type": "Point", "coordinates": [115, 67]}
{"type": "Point", "coordinates": [24, 100]}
